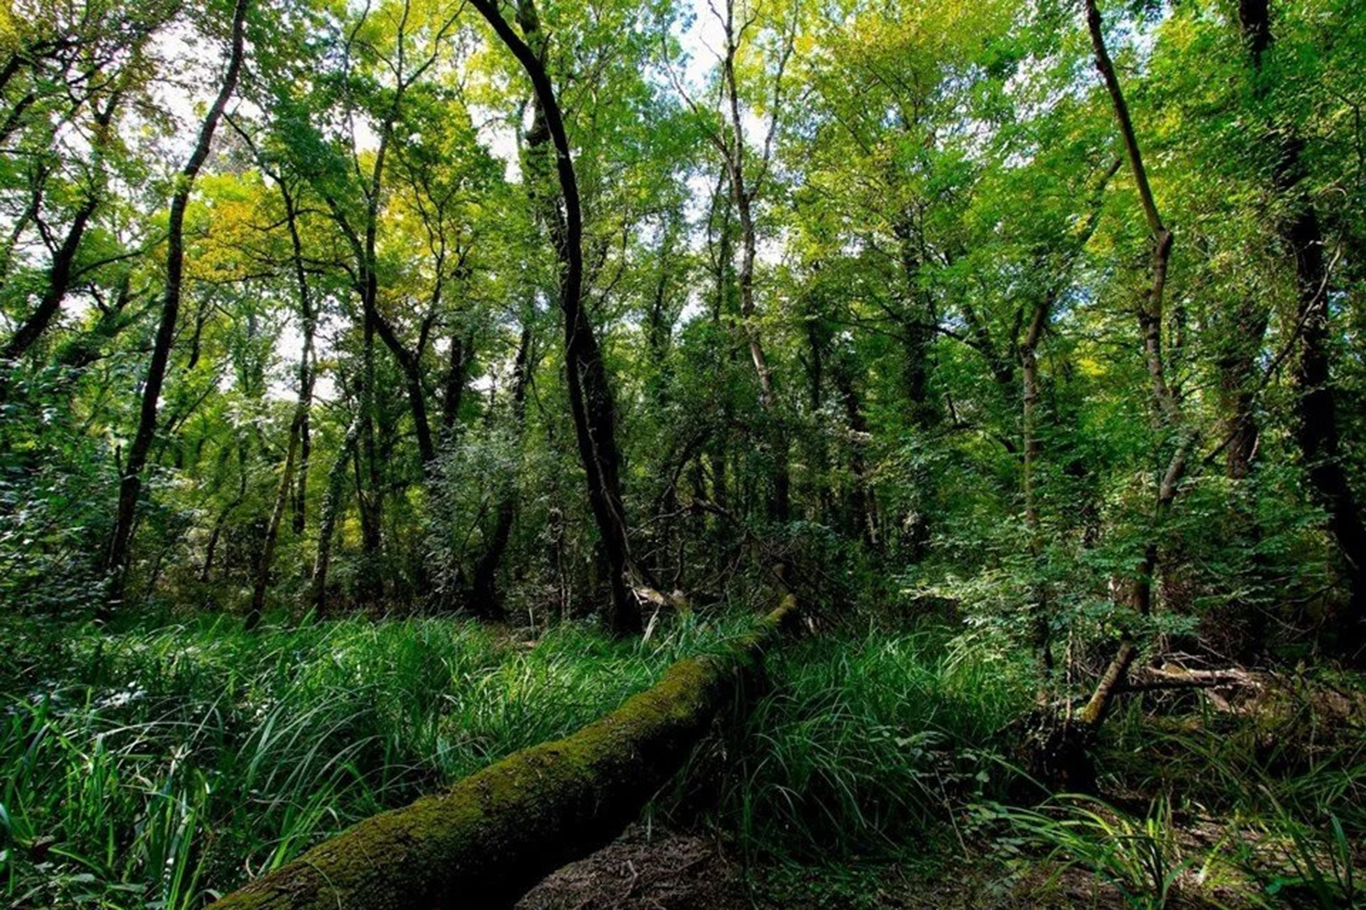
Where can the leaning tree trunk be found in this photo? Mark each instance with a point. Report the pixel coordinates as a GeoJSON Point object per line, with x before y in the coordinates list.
{"type": "Point", "coordinates": [491, 837]}
{"type": "Point", "coordinates": [1059, 750]}
{"type": "Point", "coordinates": [130, 485]}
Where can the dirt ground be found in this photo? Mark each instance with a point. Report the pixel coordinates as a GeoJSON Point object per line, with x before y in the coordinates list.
{"type": "Point", "coordinates": [682, 871]}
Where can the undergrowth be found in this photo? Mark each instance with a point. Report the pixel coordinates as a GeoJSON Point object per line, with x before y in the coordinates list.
{"type": "Point", "coordinates": [156, 767]}
{"type": "Point", "coordinates": [866, 744]}
{"type": "Point", "coordinates": [1262, 805]}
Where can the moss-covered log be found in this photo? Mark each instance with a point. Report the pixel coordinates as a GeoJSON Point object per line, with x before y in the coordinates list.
{"type": "Point", "coordinates": [490, 837]}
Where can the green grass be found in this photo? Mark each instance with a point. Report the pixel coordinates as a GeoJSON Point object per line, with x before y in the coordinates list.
{"type": "Point", "coordinates": [159, 765]}
{"type": "Point", "coordinates": [868, 744]}
{"type": "Point", "coordinates": [155, 767]}
{"type": "Point", "coordinates": [1262, 807]}
{"type": "Point", "coordinates": [1142, 858]}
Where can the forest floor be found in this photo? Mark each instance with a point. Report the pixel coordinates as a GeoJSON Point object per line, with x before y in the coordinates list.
{"type": "Point", "coordinates": [165, 761]}
{"type": "Point", "coordinates": [664, 870]}
{"type": "Point", "coordinates": [674, 871]}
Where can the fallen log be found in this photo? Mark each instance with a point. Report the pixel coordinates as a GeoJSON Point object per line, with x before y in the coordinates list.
{"type": "Point", "coordinates": [490, 837]}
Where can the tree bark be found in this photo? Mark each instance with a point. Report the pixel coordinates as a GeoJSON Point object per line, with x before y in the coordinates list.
{"type": "Point", "coordinates": [130, 485]}
{"type": "Point", "coordinates": [1166, 401]}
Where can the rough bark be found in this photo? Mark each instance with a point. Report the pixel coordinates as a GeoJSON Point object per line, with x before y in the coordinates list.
{"type": "Point", "coordinates": [590, 395]}
{"type": "Point", "coordinates": [130, 484]}
{"type": "Point", "coordinates": [489, 838]}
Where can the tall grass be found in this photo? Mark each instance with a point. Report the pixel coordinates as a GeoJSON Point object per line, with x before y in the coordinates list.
{"type": "Point", "coordinates": [867, 743]}
{"type": "Point", "coordinates": [156, 767]}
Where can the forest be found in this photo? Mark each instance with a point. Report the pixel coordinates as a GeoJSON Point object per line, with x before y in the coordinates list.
{"type": "Point", "coordinates": [671, 454]}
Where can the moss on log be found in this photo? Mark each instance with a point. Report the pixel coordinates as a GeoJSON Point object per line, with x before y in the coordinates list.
{"type": "Point", "coordinates": [489, 838]}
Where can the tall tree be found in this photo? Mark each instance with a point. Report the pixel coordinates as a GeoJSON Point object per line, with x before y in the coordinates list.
{"type": "Point", "coordinates": [1301, 231]}
{"type": "Point", "coordinates": [130, 484]}
{"type": "Point", "coordinates": [590, 395]}
{"type": "Point", "coordinates": [1167, 402]}
{"type": "Point", "coordinates": [746, 187]}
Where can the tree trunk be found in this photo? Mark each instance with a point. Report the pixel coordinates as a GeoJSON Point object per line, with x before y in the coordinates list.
{"type": "Point", "coordinates": [457, 375]}
{"type": "Point", "coordinates": [1316, 431]}
{"type": "Point", "coordinates": [917, 331]}
{"type": "Point", "coordinates": [743, 195]}
{"type": "Point", "coordinates": [1032, 449]}
{"type": "Point", "coordinates": [130, 485]}
{"type": "Point", "coordinates": [59, 273]}
{"type": "Point", "coordinates": [277, 515]}
{"type": "Point", "coordinates": [307, 365]}
{"type": "Point", "coordinates": [327, 518]}
{"type": "Point", "coordinates": [1237, 363]}
{"type": "Point", "coordinates": [861, 501]}
{"type": "Point", "coordinates": [484, 591]}
{"type": "Point", "coordinates": [590, 396]}
{"type": "Point", "coordinates": [492, 836]}
{"type": "Point", "coordinates": [1167, 403]}
{"type": "Point", "coordinates": [369, 489]}
{"type": "Point", "coordinates": [410, 364]}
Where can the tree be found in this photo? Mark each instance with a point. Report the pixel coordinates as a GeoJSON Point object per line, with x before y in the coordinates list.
{"type": "Point", "coordinates": [590, 396]}
{"type": "Point", "coordinates": [130, 484]}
